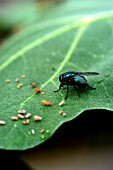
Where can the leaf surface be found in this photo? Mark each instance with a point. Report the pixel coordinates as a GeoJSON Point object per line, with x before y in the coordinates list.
{"type": "Point", "coordinates": [42, 52]}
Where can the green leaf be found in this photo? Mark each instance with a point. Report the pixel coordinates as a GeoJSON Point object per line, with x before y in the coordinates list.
{"type": "Point", "coordinates": [43, 51]}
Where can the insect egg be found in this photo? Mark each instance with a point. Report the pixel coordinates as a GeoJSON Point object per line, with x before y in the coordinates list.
{"type": "Point", "coordinates": [47, 103]}
{"type": "Point", "coordinates": [7, 80]}
{"type": "Point", "coordinates": [33, 84]}
{"type": "Point", "coordinates": [28, 115]}
{"type": "Point", "coordinates": [61, 103]}
{"type": "Point", "coordinates": [38, 90]}
{"type": "Point", "coordinates": [17, 80]}
{"type": "Point", "coordinates": [2, 122]}
{"type": "Point", "coordinates": [24, 76]}
{"type": "Point", "coordinates": [37, 118]}
{"type": "Point", "coordinates": [14, 118]}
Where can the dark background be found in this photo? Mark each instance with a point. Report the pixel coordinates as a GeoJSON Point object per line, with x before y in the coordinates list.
{"type": "Point", "coordinates": [85, 143]}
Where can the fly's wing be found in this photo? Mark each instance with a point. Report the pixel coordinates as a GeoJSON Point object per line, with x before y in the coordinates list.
{"type": "Point", "coordinates": [87, 73]}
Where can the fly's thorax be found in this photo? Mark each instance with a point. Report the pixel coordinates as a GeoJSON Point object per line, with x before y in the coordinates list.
{"type": "Point", "coordinates": [66, 76]}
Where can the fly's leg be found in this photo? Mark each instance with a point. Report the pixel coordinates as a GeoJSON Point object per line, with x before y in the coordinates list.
{"type": "Point", "coordinates": [76, 90]}
{"type": "Point", "coordinates": [67, 92]}
{"type": "Point", "coordinates": [61, 85]}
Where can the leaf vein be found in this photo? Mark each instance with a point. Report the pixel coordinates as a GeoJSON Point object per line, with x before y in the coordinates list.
{"type": "Point", "coordinates": [82, 22]}
{"type": "Point", "coordinates": [37, 43]}
{"type": "Point", "coordinates": [66, 59]}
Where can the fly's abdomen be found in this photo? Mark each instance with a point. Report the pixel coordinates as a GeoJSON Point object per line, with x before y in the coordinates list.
{"type": "Point", "coordinates": [80, 81]}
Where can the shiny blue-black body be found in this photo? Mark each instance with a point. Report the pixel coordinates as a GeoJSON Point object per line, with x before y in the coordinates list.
{"type": "Point", "coordinates": [75, 79]}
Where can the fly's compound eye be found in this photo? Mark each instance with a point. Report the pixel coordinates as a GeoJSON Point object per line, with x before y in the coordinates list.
{"type": "Point", "coordinates": [60, 78]}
